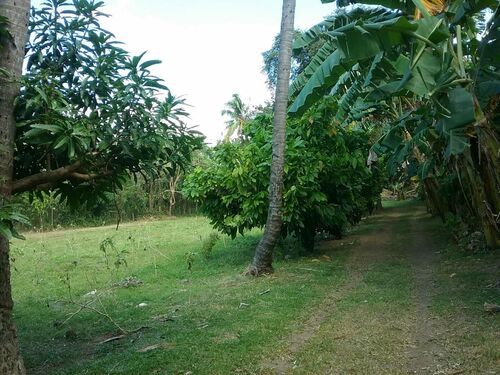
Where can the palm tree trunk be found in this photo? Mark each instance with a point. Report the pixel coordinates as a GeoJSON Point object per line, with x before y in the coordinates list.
{"type": "Point", "coordinates": [262, 261]}
{"type": "Point", "coordinates": [11, 59]}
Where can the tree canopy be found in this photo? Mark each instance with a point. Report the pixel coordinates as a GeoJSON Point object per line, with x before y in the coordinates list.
{"type": "Point", "coordinates": [89, 113]}
{"type": "Point", "coordinates": [238, 113]}
{"type": "Point", "coordinates": [327, 182]}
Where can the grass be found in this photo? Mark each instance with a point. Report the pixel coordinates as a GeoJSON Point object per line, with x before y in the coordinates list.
{"type": "Point", "coordinates": [368, 329]}
{"type": "Point", "coordinates": [208, 332]}
{"type": "Point", "coordinates": [372, 328]}
{"type": "Point", "coordinates": [464, 282]}
{"type": "Point", "coordinates": [213, 320]}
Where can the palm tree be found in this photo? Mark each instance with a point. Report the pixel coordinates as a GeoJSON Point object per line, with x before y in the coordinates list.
{"type": "Point", "coordinates": [11, 61]}
{"type": "Point", "coordinates": [263, 258]}
{"type": "Point", "coordinates": [237, 112]}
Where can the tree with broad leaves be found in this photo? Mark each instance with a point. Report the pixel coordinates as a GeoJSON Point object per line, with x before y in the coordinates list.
{"type": "Point", "coordinates": [88, 116]}
{"type": "Point", "coordinates": [326, 183]}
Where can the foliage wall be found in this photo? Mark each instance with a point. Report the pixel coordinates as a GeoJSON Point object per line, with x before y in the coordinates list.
{"type": "Point", "coordinates": [327, 183]}
{"type": "Point", "coordinates": [427, 73]}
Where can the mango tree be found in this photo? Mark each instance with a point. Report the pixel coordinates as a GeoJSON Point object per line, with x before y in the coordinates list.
{"type": "Point", "coordinates": [88, 116]}
{"type": "Point", "coordinates": [13, 35]}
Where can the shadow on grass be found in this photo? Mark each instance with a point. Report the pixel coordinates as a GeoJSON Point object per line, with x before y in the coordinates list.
{"type": "Point", "coordinates": [239, 252]}
{"type": "Point", "coordinates": [236, 252]}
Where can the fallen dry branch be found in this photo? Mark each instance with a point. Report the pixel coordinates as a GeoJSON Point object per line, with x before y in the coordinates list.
{"type": "Point", "coordinates": [491, 307]}
{"type": "Point", "coordinates": [114, 338]}
{"type": "Point", "coordinates": [121, 336]}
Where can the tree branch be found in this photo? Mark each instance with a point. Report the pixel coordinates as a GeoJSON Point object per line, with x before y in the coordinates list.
{"type": "Point", "coordinates": [47, 179]}
{"type": "Point", "coordinates": [86, 177]}
{"type": "Point", "coordinates": [42, 178]}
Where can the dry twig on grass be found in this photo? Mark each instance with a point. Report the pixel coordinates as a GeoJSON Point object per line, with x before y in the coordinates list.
{"type": "Point", "coordinates": [491, 307]}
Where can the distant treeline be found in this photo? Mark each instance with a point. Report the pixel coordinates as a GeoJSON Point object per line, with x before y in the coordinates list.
{"type": "Point", "coordinates": [137, 200]}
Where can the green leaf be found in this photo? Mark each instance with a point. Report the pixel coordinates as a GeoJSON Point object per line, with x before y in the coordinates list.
{"type": "Point", "coordinates": [392, 139]}
{"type": "Point", "coordinates": [61, 141]}
{"type": "Point", "coordinates": [17, 235]}
{"type": "Point", "coordinates": [357, 45]}
{"type": "Point", "coordinates": [433, 28]}
{"type": "Point", "coordinates": [464, 8]}
{"type": "Point", "coordinates": [319, 58]}
{"type": "Point", "coordinates": [423, 74]}
{"type": "Point", "coordinates": [425, 169]}
{"type": "Point", "coordinates": [323, 78]}
{"type": "Point", "coordinates": [71, 149]}
{"type": "Point", "coordinates": [47, 127]}
{"type": "Point", "coordinates": [35, 133]}
{"type": "Point", "coordinates": [374, 65]}
{"type": "Point", "coordinates": [486, 90]}
{"type": "Point", "coordinates": [460, 103]}
{"type": "Point", "coordinates": [5, 231]}
{"type": "Point", "coordinates": [457, 143]}
{"type": "Point", "coordinates": [149, 63]}
{"type": "Point", "coordinates": [404, 5]}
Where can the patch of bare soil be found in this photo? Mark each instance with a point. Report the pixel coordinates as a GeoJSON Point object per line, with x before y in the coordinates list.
{"type": "Point", "coordinates": [427, 354]}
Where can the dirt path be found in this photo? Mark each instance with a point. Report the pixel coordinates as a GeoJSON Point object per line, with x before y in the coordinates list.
{"type": "Point", "coordinates": [422, 256]}
{"type": "Point", "coordinates": [397, 235]}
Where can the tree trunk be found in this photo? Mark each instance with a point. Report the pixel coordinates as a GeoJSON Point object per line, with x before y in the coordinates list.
{"type": "Point", "coordinates": [10, 358]}
{"type": "Point", "coordinates": [262, 261]}
{"type": "Point", "coordinates": [172, 185]}
{"type": "Point", "coordinates": [435, 202]}
{"type": "Point", "coordinates": [11, 59]}
{"type": "Point", "coordinates": [482, 203]}
{"type": "Point", "coordinates": [489, 173]}
{"type": "Point", "coordinates": [149, 187]}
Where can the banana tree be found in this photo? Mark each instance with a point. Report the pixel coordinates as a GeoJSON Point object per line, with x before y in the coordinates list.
{"type": "Point", "coordinates": [422, 70]}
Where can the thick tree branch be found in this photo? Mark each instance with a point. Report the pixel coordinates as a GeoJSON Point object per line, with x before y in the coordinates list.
{"type": "Point", "coordinates": [86, 177]}
{"type": "Point", "coordinates": [44, 178]}
{"type": "Point", "coordinates": [47, 179]}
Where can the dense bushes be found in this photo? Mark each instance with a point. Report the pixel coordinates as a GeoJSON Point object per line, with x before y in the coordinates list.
{"type": "Point", "coordinates": [327, 183]}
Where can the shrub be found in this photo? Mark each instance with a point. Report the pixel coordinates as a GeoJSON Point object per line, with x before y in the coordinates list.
{"type": "Point", "coordinates": [327, 183]}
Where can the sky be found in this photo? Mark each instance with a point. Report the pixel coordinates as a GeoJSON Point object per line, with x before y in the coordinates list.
{"type": "Point", "coordinates": [209, 49]}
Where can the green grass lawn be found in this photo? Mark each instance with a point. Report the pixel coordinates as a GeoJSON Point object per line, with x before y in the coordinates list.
{"type": "Point", "coordinates": [217, 319]}
{"type": "Point", "coordinates": [213, 320]}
